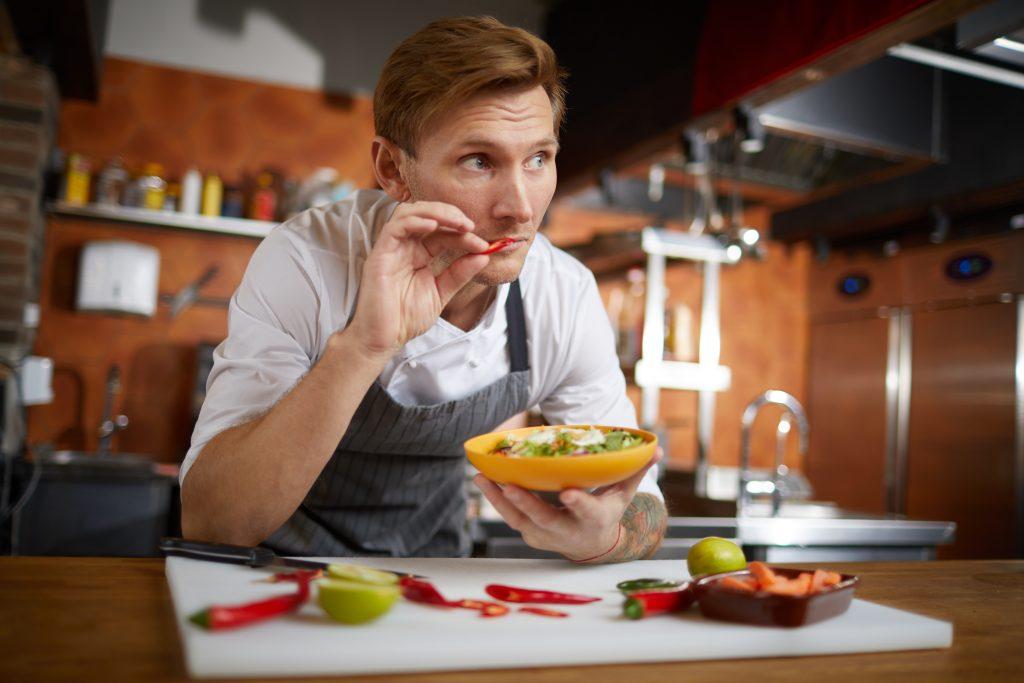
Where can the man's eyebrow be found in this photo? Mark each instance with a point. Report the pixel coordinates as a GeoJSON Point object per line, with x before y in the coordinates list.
{"type": "Point", "coordinates": [484, 142]}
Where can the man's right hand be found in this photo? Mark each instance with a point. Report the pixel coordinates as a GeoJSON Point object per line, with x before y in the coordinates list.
{"type": "Point", "coordinates": [425, 253]}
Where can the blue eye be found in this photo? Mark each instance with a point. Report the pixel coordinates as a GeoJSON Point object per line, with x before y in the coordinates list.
{"type": "Point", "coordinates": [542, 156]}
{"type": "Point", "coordinates": [471, 160]}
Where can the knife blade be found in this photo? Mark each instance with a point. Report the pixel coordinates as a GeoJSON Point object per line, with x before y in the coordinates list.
{"type": "Point", "coordinates": [250, 556]}
{"type": "Point", "coordinates": [187, 296]}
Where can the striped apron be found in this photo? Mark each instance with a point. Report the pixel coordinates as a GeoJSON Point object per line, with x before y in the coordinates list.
{"type": "Point", "coordinates": [395, 485]}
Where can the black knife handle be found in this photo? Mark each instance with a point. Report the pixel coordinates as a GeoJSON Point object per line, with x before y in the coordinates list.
{"type": "Point", "coordinates": [217, 552]}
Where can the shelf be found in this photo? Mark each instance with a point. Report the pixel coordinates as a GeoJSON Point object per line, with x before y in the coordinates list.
{"type": "Point", "coordinates": [669, 374]}
{"type": "Point", "coordinates": [169, 219]}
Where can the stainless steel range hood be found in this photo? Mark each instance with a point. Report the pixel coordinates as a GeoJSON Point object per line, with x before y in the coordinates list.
{"type": "Point", "coordinates": [882, 119]}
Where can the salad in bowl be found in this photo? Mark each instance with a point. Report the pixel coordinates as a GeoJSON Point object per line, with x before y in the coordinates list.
{"type": "Point", "coordinates": [548, 442]}
{"type": "Point", "coordinates": [561, 456]}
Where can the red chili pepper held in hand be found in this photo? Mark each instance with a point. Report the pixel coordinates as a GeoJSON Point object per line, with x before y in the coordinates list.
{"type": "Point", "coordinates": [513, 594]}
{"type": "Point", "coordinates": [498, 245]}
{"type": "Point", "coordinates": [657, 601]}
{"type": "Point", "coordinates": [221, 617]}
{"type": "Point", "coordinates": [541, 612]}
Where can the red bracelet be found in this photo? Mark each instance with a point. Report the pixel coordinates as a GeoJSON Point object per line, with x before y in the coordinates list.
{"type": "Point", "coordinates": [618, 536]}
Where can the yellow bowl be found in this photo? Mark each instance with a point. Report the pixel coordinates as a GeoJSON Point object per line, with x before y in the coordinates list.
{"type": "Point", "coordinates": [559, 472]}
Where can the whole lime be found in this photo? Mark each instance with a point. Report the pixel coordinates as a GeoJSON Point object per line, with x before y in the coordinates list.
{"type": "Point", "coordinates": [351, 602]}
{"type": "Point", "coordinates": [714, 555]}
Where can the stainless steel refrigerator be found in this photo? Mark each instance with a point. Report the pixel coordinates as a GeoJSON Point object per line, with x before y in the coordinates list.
{"type": "Point", "coordinates": [916, 387]}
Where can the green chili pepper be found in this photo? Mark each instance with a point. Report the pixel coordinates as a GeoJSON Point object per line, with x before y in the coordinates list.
{"type": "Point", "coordinates": [634, 585]}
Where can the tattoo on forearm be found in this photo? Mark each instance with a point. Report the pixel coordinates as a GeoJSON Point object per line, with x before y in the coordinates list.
{"type": "Point", "coordinates": [643, 528]}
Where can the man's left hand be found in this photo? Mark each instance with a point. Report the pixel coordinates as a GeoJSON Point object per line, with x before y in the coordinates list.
{"type": "Point", "coordinates": [587, 527]}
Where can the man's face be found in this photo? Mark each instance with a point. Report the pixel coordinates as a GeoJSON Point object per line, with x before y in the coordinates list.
{"type": "Point", "coordinates": [494, 158]}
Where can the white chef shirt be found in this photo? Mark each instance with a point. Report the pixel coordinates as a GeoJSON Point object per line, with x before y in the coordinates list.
{"type": "Point", "coordinates": [301, 285]}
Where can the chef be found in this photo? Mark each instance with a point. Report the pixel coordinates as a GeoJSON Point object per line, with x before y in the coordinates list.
{"type": "Point", "coordinates": [371, 337]}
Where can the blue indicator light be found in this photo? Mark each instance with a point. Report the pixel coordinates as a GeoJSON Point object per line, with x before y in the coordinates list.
{"type": "Point", "coordinates": [853, 285]}
{"type": "Point", "coordinates": [968, 266]}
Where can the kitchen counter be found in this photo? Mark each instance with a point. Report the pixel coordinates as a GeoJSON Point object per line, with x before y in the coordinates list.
{"type": "Point", "coordinates": [100, 619]}
{"type": "Point", "coordinates": [808, 533]}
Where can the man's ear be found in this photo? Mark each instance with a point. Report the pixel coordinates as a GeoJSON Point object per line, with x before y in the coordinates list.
{"type": "Point", "coordinates": [390, 164]}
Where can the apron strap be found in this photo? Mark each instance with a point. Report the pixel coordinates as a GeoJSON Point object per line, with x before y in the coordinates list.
{"type": "Point", "coordinates": [516, 329]}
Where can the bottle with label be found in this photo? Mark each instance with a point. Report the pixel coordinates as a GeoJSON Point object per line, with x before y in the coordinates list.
{"type": "Point", "coordinates": [213, 195]}
{"type": "Point", "coordinates": [132, 194]}
{"type": "Point", "coordinates": [172, 197]}
{"type": "Point", "coordinates": [111, 182]}
{"type": "Point", "coordinates": [264, 200]}
{"type": "Point", "coordinates": [76, 183]}
{"type": "Point", "coordinates": [234, 202]}
{"type": "Point", "coordinates": [191, 192]}
{"type": "Point", "coordinates": [153, 187]}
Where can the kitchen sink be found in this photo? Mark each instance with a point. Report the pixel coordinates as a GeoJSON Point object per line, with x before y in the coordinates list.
{"type": "Point", "coordinates": [85, 504]}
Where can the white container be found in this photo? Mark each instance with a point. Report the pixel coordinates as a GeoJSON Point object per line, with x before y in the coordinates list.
{"type": "Point", "coordinates": [36, 381]}
{"type": "Point", "coordinates": [119, 277]}
{"type": "Point", "coordinates": [191, 192]}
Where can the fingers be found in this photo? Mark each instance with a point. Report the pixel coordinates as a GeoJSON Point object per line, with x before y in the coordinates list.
{"type": "Point", "coordinates": [542, 514]}
{"type": "Point", "coordinates": [457, 274]}
{"type": "Point", "coordinates": [519, 504]}
{"type": "Point", "coordinates": [509, 512]}
{"type": "Point", "coordinates": [446, 215]}
{"type": "Point", "coordinates": [464, 242]}
{"type": "Point", "coordinates": [587, 508]}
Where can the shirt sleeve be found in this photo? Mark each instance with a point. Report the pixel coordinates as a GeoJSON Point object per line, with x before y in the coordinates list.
{"type": "Point", "coordinates": [272, 338]}
{"type": "Point", "coordinates": [593, 389]}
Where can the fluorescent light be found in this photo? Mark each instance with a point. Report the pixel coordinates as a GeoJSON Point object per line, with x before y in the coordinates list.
{"type": "Point", "coordinates": [752, 145]}
{"type": "Point", "coordinates": [750, 236]}
{"type": "Point", "coordinates": [1009, 44]}
{"type": "Point", "coordinates": [969, 67]}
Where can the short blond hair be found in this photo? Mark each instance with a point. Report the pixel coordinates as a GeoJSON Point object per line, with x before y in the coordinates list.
{"type": "Point", "coordinates": [451, 60]}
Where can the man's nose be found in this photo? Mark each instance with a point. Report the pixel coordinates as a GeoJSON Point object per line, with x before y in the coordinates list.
{"type": "Point", "coordinates": [514, 205]}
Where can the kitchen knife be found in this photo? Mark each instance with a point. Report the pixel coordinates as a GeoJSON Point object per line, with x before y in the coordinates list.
{"type": "Point", "coordinates": [237, 554]}
{"type": "Point", "coordinates": [188, 295]}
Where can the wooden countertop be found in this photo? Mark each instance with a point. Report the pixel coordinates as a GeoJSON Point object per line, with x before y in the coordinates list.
{"type": "Point", "coordinates": [101, 619]}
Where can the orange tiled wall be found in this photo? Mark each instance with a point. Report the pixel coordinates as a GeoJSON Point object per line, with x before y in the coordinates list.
{"type": "Point", "coordinates": [233, 127]}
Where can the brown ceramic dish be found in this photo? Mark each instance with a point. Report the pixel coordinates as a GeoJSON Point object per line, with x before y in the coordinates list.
{"type": "Point", "coordinates": [763, 608]}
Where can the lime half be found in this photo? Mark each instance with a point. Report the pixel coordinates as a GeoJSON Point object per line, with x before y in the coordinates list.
{"type": "Point", "coordinates": [361, 574]}
{"type": "Point", "coordinates": [351, 602]}
{"type": "Point", "coordinates": [715, 555]}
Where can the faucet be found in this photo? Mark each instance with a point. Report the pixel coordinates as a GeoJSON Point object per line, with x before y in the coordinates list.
{"type": "Point", "coordinates": [110, 424]}
{"type": "Point", "coordinates": [794, 410]}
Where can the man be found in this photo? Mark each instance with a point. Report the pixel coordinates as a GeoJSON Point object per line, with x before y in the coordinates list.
{"type": "Point", "coordinates": [371, 337]}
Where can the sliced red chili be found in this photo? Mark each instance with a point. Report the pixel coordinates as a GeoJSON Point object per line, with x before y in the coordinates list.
{"type": "Point", "coordinates": [541, 612]}
{"type": "Point", "coordinates": [513, 594]}
{"type": "Point", "coordinates": [221, 617]}
{"type": "Point", "coordinates": [642, 604]}
{"type": "Point", "coordinates": [493, 609]}
{"type": "Point", "coordinates": [498, 245]}
{"type": "Point", "coordinates": [308, 574]}
{"type": "Point", "coordinates": [472, 604]}
{"type": "Point", "coordinates": [424, 593]}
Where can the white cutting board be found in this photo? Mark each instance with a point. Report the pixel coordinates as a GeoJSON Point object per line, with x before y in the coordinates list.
{"type": "Point", "coordinates": [416, 637]}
